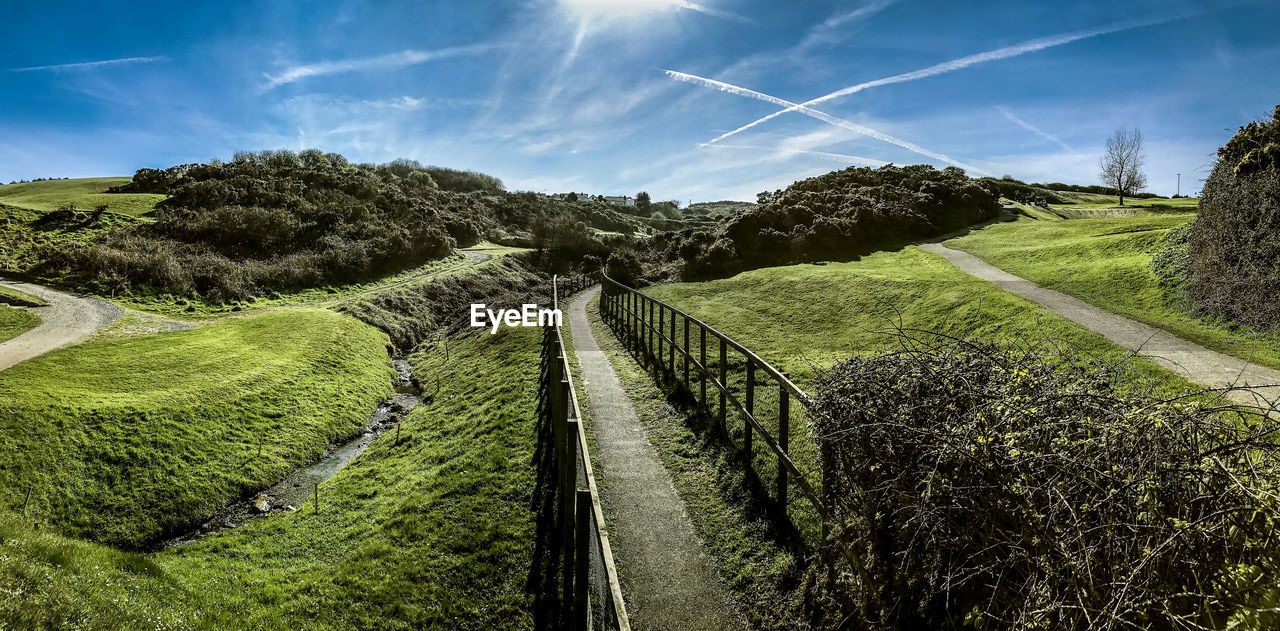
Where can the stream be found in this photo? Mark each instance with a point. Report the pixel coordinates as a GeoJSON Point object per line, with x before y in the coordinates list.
{"type": "Point", "coordinates": [295, 490]}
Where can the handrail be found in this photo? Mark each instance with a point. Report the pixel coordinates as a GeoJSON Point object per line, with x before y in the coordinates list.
{"type": "Point", "coordinates": [573, 463]}
{"type": "Point", "coordinates": [609, 310]}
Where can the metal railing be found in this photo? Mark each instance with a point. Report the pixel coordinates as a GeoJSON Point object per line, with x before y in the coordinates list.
{"type": "Point", "coordinates": [590, 597]}
{"type": "Point", "coordinates": [659, 332]}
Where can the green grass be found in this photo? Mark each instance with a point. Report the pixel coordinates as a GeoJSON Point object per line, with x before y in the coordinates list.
{"type": "Point", "coordinates": [15, 322]}
{"type": "Point", "coordinates": [435, 532]}
{"type": "Point", "coordinates": [25, 236]}
{"type": "Point", "coordinates": [11, 296]}
{"type": "Point", "coordinates": [1106, 262]}
{"type": "Point", "coordinates": [84, 193]}
{"type": "Point", "coordinates": [1093, 205]}
{"type": "Point", "coordinates": [803, 319]}
{"type": "Point", "coordinates": [125, 441]}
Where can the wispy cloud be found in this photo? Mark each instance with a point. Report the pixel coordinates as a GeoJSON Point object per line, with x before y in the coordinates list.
{"type": "Point", "coordinates": [684, 4]}
{"type": "Point", "coordinates": [1032, 128]}
{"type": "Point", "coordinates": [391, 60]}
{"type": "Point", "coordinates": [822, 116]}
{"type": "Point", "coordinates": [86, 65]}
{"type": "Point", "coordinates": [835, 27]}
{"type": "Point", "coordinates": [1006, 52]}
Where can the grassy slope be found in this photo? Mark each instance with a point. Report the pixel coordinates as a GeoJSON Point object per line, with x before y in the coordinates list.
{"type": "Point", "coordinates": [15, 322]}
{"type": "Point", "coordinates": [829, 312]}
{"type": "Point", "coordinates": [126, 440]}
{"type": "Point", "coordinates": [433, 532]}
{"type": "Point", "coordinates": [1093, 205]}
{"type": "Point", "coordinates": [11, 296]}
{"type": "Point", "coordinates": [24, 233]}
{"type": "Point", "coordinates": [1106, 262]}
{"type": "Point", "coordinates": [85, 193]}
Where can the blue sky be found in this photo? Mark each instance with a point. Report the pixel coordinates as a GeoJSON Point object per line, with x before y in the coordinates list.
{"type": "Point", "coordinates": [558, 95]}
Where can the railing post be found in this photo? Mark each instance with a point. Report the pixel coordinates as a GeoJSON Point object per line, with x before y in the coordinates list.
{"type": "Point", "coordinates": [784, 435]}
{"type": "Point", "coordinates": [582, 558]}
{"type": "Point", "coordinates": [671, 367]}
{"type": "Point", "coordinates": [751, 407]}
{"type": "Point", "coordinates": [661, 327]}
{"type": "Point", "coordinates": [687, 354]}
{"type": "Point", "coordinates": [724, 382]}
{"type": "Point", "coordinates": [567, 501]}
{"type": "Point", "coordinates": [702, 333]}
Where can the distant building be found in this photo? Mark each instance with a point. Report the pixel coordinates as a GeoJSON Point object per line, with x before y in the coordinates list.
{"type": "Point", "coordinates": [621, 200]}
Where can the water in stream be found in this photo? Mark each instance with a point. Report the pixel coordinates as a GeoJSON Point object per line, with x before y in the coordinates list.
{"type": "Point", "coordinates": [296, 489]}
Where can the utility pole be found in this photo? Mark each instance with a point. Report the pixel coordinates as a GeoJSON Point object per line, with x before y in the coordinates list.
{"type": "Point", "coordinates": [1179, 184]}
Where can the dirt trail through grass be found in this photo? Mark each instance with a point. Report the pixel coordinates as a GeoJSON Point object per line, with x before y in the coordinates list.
{"type": "Point", "coordinates": [66, 320]}
{"type": "Point", "coordinates": [1192, 361]}
{"type": "Point", "coordinates": [669, 579]}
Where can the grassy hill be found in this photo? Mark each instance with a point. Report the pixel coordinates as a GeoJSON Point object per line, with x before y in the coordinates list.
{"type": "Point", "coordinates": [1106, 262]}
{"type": "Point", "coordinates": [124, 441]}
{"type": "Point", "coordinates": [435, 531]}
{"type": "Point", "coordinates": [85, 193]}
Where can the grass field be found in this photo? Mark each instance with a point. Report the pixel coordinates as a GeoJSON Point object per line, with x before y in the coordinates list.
{"type": "Point", "coordinates": [125, 441]}
{"type": "Point", "coordinates": [15, 322]}
{"type": "Point", "coordinates": [803, 319]}
{"type": "Point", "coordinates": [1106, 262]}
{"type": "Point", "coordinates": [11, 296]}
{"type": "Point", "coordinates": [435, 531]}
{"type": "Point", "coordinates": [1095, 206]}
{"type": "Point", "coordinates": [85, 193]}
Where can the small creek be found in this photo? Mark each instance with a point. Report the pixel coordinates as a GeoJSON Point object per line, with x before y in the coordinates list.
{"type": "Point", "coordinates": [295, 490]}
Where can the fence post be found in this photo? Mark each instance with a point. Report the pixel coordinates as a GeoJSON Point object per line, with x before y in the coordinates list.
{"type": "Point", "coordinates": [702, 333]}
{"type": "Point", "coordinates": [671, 368]}
{"type": "Point", "coordinates": [724, 382]}
{"type": "Point", "coordinates": [582, 559]}
{"type": "Point", "coordinates": [661, 349]}
{"type": "Point", "coordinates": [784, 435]}
{"type": "Point", "coordinates": [751, 407]}
{"type": "Point", "coordinates": [558, 409]}
{"type": "Point", "coordinates": [688, 352]}
{"type": "Point", "coordinates": [567, 499]}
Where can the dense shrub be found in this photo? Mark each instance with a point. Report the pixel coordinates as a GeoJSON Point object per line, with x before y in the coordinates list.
{"type": "Point", "coordinates": [1000, 488]}
{"type": "Point", "coordinates": [837, 215]}
{"type": "Point", "coordinates": [464, 181]}
{"type": "Point", "coordinates": [1235, 245]}
{"type": "Point", "coordinates": [277, 220]}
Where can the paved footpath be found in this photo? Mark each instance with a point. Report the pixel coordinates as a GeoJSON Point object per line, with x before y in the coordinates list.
{"type": "Point", "coordinates": [1192, 361]}
{"type": "Point", "coordinates": [668, 578]}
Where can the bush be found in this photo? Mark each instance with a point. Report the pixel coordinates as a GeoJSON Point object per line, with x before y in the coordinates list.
{"type": "Point", "coordinates": [1172, 261]}
{"type": "Point", "coordinates": [1235, 245]}
{"type": "Point", "coordinates": [996, 488]}
{"type": "Point", "coordinates": [841, 214]}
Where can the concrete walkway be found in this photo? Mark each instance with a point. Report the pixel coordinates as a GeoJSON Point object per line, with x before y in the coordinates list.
{"type": "Point", "coordinates": [1192, 361]}
{"type": "Point", "coordinates": [668, 578]}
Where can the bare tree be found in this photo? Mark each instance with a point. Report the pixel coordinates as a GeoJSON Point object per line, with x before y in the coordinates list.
{"type": "Point", "coordinates": [1121, 165]}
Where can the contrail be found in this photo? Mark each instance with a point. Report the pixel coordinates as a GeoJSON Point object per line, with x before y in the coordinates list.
{"type": "Point", "coordinates": [822, 116]}
{"type": "Point", "coordinates": [685, 4]}
{"type": "Point", "coordinates": [392, 60]}
{"type": "Point", "coordinates": [1032, 128]}
{"type": "Point", "coordinates": [89, 64]}
{"type": "Point", "coordinates": [1015, 50]}
{"type": "Point", "coordinates": [839, 157]}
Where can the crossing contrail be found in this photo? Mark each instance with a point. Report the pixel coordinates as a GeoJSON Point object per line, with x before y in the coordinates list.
{"type": "Point", "coordinates": [1023, 48]}
{"type": "Point", "coordinates": [822, 116]}
{"type": "Point", "coordinates": [839, 157]}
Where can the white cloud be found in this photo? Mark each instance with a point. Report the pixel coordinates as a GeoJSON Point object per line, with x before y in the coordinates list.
{"type": "Point", "coordinates": [392, 60]}
{"type": "Point", "coordinates": [86, 65]}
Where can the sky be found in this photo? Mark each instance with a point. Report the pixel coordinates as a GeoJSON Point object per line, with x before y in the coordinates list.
{"type": "Point", "coordinates": [700, 101]}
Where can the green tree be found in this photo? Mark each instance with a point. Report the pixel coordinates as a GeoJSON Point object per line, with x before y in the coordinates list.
{"type": "Point", "coordinates": [643, 202]}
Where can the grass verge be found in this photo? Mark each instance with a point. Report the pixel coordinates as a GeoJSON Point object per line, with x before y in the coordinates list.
{"type": "Point", "coordinates": [15, 322]}
{"type": "Point", "coordinates": [11, 296]}
{"type": "Point", "coordinates": [85, 193]}
{"type": "Point", "coordinates": [1107, 263]}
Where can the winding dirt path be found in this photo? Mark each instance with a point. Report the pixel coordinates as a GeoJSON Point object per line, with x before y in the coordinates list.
{"type": "Point", "coordinates": [668, 577]}
{"type": "Point", "coordinates": [67, 319]}
{"type": "Point", "coordinates": [1192, 361]}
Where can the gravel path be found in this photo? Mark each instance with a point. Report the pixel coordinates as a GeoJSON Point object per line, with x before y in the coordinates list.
{"type": "Point", "coordinates": [668, 578]}
{"type": "Point", "coordinates": [67, 319]}
{"type": "Point", "coordinates": [1192, 361]}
